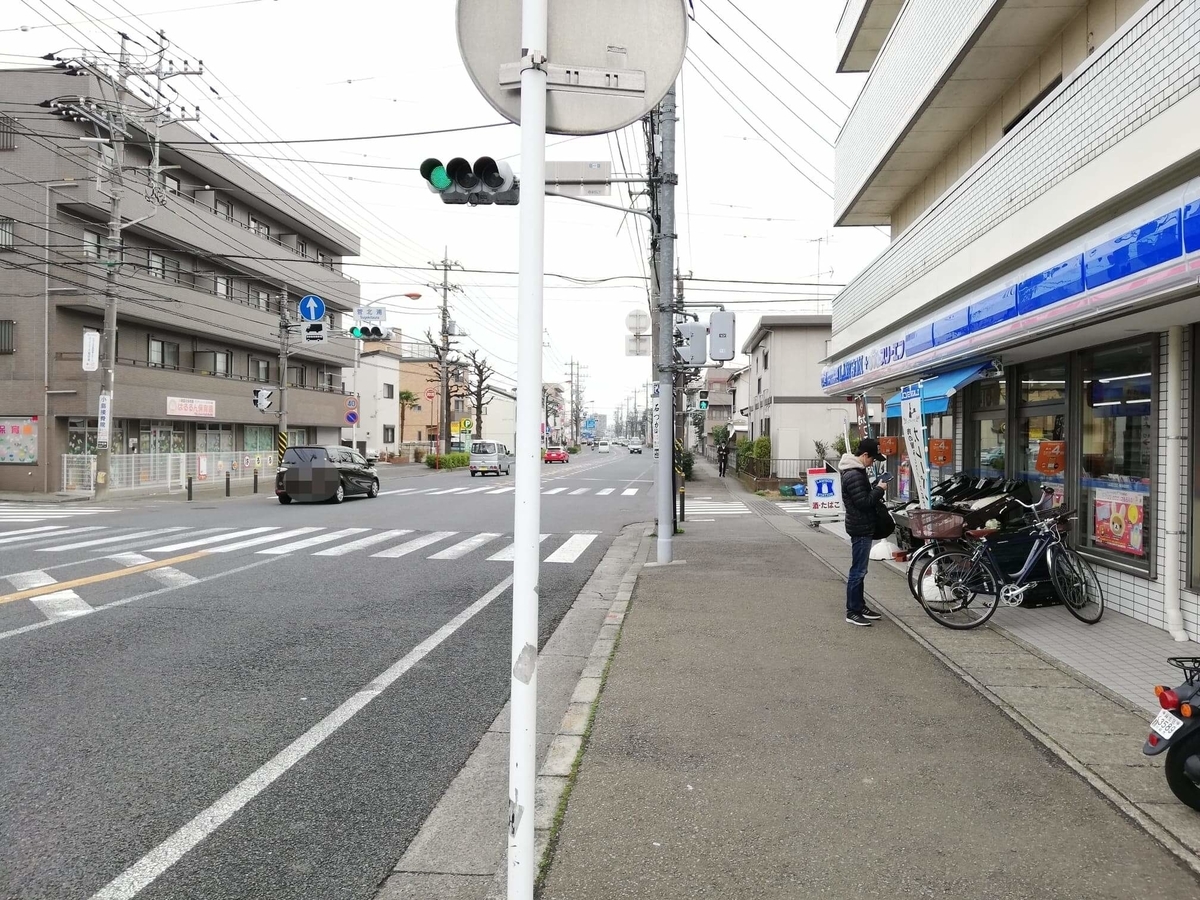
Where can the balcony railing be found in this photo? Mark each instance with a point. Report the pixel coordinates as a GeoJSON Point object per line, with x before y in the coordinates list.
{"type": "Point", "coordinates": [76, 356]}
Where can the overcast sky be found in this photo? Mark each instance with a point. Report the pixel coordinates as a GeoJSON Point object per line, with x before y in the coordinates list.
{"type": "Point", "coordinates": [305, 69]}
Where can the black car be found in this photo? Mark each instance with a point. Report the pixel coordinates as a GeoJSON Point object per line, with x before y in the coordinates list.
{"type": "Point", "coordinates": [324, 473]}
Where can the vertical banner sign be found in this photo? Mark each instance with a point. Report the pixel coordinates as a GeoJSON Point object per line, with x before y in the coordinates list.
{"type": "Point", "coordinates": [863, 416]}
{"type": "Point", "coordinates": [914, 438]}
{"type": "Point", "coordinates": [91, 351]}
{"type": "Point", "coordinates": [825, 492]}
{"type": "Point", "coordinates": [104, 421]}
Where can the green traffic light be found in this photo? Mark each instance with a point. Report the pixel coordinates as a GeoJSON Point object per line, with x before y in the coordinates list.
{"type": "Point", "coordinates": [356, 332]}
{"type": "Point", "coordinates": [439, 179]}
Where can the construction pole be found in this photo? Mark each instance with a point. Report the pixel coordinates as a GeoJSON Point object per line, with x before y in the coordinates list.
{"type": "Point", "coordinates": [666, 330]}
{"type": "Point", "coordinates": [108, 375]}
{"type": "Point", "coordinates": [284, 341]}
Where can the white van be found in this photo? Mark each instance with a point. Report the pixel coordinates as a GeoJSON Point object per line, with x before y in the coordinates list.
{"type": "Point", "coordinates": [490, 457]}
{"type": "Point", "coordinates": [604, 447]}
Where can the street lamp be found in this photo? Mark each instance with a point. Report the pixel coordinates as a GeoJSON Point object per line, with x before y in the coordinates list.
{"type": "Point", "coordinates": [358, 356]}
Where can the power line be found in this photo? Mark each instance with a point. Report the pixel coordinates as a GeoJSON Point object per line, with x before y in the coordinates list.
{"type": "Point", "coordinates": [330, 140]}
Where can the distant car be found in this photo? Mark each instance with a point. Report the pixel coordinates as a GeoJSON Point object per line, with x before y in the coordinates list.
{"type": "Point", "coordinates": [604, 447]}
{"type": "Point", "coordinates": [324, 473]}
{"type": "Point", "coordinates": [557, 454]}
{"type": "Point", "coordinates": [635, 448]}
{"type": "Point", "coordinates": [490, 457]}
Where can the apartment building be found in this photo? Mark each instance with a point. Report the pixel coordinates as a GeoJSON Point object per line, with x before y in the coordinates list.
{"type": "Point", "coordinates": [211, 251]}
{"type": "Point", "coordinates": [720, 401]}
{"type": "Point", "coordinates": [1038, 166]}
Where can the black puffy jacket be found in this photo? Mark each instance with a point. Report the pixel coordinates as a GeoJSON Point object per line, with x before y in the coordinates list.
{"type": "Point", "coordinates": [858, 497]}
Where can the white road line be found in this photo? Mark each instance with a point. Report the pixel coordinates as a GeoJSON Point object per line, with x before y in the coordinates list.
{"type": "Point", "coordinates": [509, 553]}
{"type": "Point", "coordinates": [399, 491]}
{"type": "Point", "coordinates": [34, 578]}
{"type": "Point", "coordinates": [369, 540]}
{"type": "Point", "coordinates": [474, 491]}
{"type": "Point", "coordinates": [578, 491]}
{"type": "Point", "coordinates": [503, 490]}
{"type": "Point", "coordinates": [553, 491]}
{"type": "Point", "coordinates": [111, 540]}
{"type": "Point", "coordinates": [571, 549]}
{"type": "Point", "coordinates": [32, 530]}
{"type": "Point", "coordinates": [453, 490]}
{"type": "Point", "coordinates": [415, 544]}
{"type": "Point", "coordinates": [629, 492]}
{"type": "Point", "coordinates": [170, 548]}
{"type": "Point", "coordinates": [24, 629]}
{"type": "Point", "coordinates": [141, 874]}
{"type": "Point", "coordinates": [264, 539]}
{"type": "Point", "coordinates": [605, 492]}
{"type": "Point", "coordinates": [61, 605]}
{"type": "Point", "coordinates": [312, 541]}
{"type": "Point", "coordinates": [462, 548]}
{"type": "Point", "coordinates": [702, 520]}
{"type": "Point", "coordinates": [172, 577]}
{"type": "Point", "coordinates": [129, 559]}
{"type": "Point", "coordinates": [138, 545]}
{"type": "Point", "coordinates": [37, 537]}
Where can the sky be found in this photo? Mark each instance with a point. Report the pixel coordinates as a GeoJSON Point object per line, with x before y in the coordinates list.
{"type": "Point", "coordinates": [760, 106]}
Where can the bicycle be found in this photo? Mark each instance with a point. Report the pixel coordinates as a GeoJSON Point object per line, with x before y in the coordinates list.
{"type": "Point", "coordinates": [969, 586]}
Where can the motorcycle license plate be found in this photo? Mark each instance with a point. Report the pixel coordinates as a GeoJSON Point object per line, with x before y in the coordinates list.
{"type": "Point", "coordinates": [1166, 724]}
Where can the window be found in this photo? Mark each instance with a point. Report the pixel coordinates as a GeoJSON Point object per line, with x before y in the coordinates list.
{"type": "Point", "coordinates": [986, 431]}
{"type": "Point", "coordinates": [1041, 447]}
{"type": "Point", "coordinates": [1120, 450]}
{"type": "Point", "coordinates": [296, 376]}
{"type": "Point", "coordinates": [260, 228]}
{"type": "Point", "coordinates": [259, 298]}
{"type": "Point", "coordinates": [224, 209]}
{"type": "Point", "coordinates": [19, 438]}
{"type": "Point", "coordinates": [157, 265]}
{"type": "Point", "coordinates": [389, 434]}
{"type": "Point", "coordinates": [213, 362]}
{"type": "Point", "coordinates": [223, 365]}
{"type": "Point", "coordinates": [169, 182]}
{"type": "Point", "coordinates": [6, 234]}
{"type": "Point", "coordinates": [91, 244]}
{"type": "Point", "coordinates": [163, 354]}
{"type": "Point", "coordinates": [8, 334]}
{"type": "Point", "coordinates": [325, 381]}
{"type": "Point", "coordinates": [766, 360]}
{"type": "Point", "coordinates": [302, 246]}
{"type": "Point", "coordinates": [221, 286]}
{"type": "Point", "coordinates": [458, 404]}
{"type": "Point", "coordinates": [259, 437]}
{"type": "Point", "coordinates": [8, 133]}
{"type": "Point", "coordinates": [389, 391]}
{"type": "Point", "coordinates": [214, 438]}
{"type": "Point", "coordinates": [260, 370]}
{"type": "Point", "coordinates": [760, 385]}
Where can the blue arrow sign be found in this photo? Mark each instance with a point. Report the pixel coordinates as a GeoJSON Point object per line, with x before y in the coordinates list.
{"type": "Point", "coordinates": [312, 308]}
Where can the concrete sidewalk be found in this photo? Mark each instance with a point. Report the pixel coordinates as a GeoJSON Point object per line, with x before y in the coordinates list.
{"type": "Point", "coordinates": [749, 743]}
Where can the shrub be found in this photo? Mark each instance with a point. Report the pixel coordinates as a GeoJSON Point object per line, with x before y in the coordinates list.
{"type": "Point", "coordinates": [574, 448]}
{"type": "Point", "coordinates": [418, 454]}
{"type": "Point", "coordinates": [687, 462]}
{"type": "Point", "coordinates": [448, 460]}
{"type": "Point", "coordinates": [839, 444]}
{"type": "Point", "coordinates": [721, 435]}
{"type": "Point", "coordinates": [762, 448]}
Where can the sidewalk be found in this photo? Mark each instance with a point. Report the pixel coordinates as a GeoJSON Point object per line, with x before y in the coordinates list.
{"type": "Point", "coordinates": [749, 743]}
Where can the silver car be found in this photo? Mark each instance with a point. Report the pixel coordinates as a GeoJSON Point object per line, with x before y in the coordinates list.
{"type": "Point", "coordinates": [490, 457]}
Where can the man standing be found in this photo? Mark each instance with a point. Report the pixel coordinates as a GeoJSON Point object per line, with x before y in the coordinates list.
{"type": "Point", "coordinates": [859, 498]}
{"type": "Point", "coordinates": [722, 459]}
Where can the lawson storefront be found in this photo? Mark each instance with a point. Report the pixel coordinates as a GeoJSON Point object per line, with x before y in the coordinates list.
{"type": "Point", "coordinates": [1075, 371]}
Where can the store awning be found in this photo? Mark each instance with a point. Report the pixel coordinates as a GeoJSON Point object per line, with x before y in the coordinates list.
{"type": "Point", "coordinates": [937, 391]}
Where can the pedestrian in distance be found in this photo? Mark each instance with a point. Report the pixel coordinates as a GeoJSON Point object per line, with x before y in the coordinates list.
{"type": "Point", "coordinates": [722, 459]}
{"type": "Point", "coordinates": [860, 496]}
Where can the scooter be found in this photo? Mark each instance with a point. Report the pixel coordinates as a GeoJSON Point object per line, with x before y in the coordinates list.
{"type": "Point", "coordinates": [1176, 730]}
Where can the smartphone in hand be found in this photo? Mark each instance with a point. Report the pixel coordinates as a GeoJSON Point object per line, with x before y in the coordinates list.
{"type": "Point", "coordinates": [884, 478]}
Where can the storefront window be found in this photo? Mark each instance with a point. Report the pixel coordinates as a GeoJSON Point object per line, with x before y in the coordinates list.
{"type": "Point", "coordinates": [986, 429]}
{"type": "Point", "coordinates": [1044, 383]}
{"type": "Point", "coordinates": [214, 438]}
{"type": "Point", "coordinates": [1040, 446]}
{"type": "Point", "coordinates": [940, 447]}
{"type": "Point", "coordinates": [18, 440]}
{"type": "Point", "coordinates": [260, 437]}
{"type": "Point", "coordinates": [81, 436]}
{"type": "Point", "coordinates": [162, 437]}
{"type": "Point", "coordinates": [1118, 450]}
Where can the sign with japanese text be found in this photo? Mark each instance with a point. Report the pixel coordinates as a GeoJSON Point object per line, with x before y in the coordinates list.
{"type": "Point", "coordinates": [104, 421]}
{"type": "Point", "coordinates": [941, 452]}
{"type": "Point", "coordinates": [824, 491]}
{"type": "Point", "coordinates": [1051, 457]}
{"type": "Point", "coordinates": [19, 440]}
{"type": "Point", "coordinates": [889, 446]}
{"type": "Point", "coordinates": [913, 424]}
{"type": "Point", "coordinates": [189, 406]}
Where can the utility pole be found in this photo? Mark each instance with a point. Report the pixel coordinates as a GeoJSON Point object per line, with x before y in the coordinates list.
{"type": "Point", "coordinates": [444, 427]}
{"type": "Point", "coordinates": [666, 327]}
{"type": "Point", "coordinates": [112, 265]}
{"type": "Point", "coordinates": [285, 335]}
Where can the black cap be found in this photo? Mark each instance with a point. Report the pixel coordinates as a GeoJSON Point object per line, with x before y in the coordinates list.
{"type": "Point", "coordinates": [871, 446]}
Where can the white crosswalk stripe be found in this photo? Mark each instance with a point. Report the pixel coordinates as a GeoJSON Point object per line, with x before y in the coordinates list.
{"type": "Point", "coordinates": [64, 604]}
{"type": "Point", "coordinates": [629, 492]}
{"type": "Point", "coordinates": [503, 490]}
{"type": "Point", "coordinates": [571, 548]}
{"type": "Point", "coordinates": [704, 506]}
{"type": "Point", "coordinates": [794, 508]}
{"type": "Point", "coordinates": [167, 576]}
{"type": "Point", "coordinates": [578, 491]}
{"type": "Point", "coordinates": [462, 548]}
{"type": "Point", "coordinates": [96, 542]}
{"type": "Point", "coordinates": [313, 541]}
{"type": "Point", "coordinates": [19, 538]}
{"type": "Point", "coordinates": [414, 545]}
{"type": "Point", "coordinates": [509, 553]}
{"type": "Point", "coordinates": [364, 542]}
{"type": "Point", "coordinates": [48, 512]}
{"type": "Point", "coordinates": [605, 492]}
{"type": "Point", "coordinates": [263, 539]}
{"type": "Point", "coordinates": [552, 491]}
{"type": "Point", "coordinates": [188, 545]}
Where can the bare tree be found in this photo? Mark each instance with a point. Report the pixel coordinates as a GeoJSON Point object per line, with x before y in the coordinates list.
{"type": "Point", "coordinates": [454, 378]}
{"type": "Point", "coordinates": [479, 377]}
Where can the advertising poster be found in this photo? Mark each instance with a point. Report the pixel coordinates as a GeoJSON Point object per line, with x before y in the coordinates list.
{"type": "Point", "coordinates": [914, 438]}
{"type": "Point", "coordinates": [941, 452]}
{"type": "Point", "coordinates": [825, 492]}
{"type": "Point", "coordinates": [889, 446]}
{"type": "Point", "coordinates": [18, 440]}
{"type": "Point", "coordinates": [862, 416]}
{"type": "Point", "coordinates": [1118, 520]}
{"type": "Point", "coordinates": [1051, 457]}
{"type": "Point", "coordinates": [905, 480]}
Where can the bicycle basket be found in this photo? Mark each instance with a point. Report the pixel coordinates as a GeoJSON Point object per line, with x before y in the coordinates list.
{"type": "Point", "coordinates": [936, 524]}
{"type": "Point", "coordinates": [1190, 666]}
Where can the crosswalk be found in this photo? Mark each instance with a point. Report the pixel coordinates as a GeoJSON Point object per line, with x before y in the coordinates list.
{"type": "Point", "coordinates": [145, 545]}
{"type": "Point", "coordinates": [28, 513]}
{"type": "Point", "coordinates": [703, 507]}
{"type": "Point", "coordinates": [795, 508]}
{"type": "Point", "coordinates": [508, 489]}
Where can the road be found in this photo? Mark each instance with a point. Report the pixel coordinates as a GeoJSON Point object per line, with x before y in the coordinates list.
{"type": "Point", "coordinates": [239, 699]}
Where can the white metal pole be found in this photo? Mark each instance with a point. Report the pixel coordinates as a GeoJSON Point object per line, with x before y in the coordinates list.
{"type": "Point", "coordinates": [666, 330]}
{"type": "Point", "coordinates": [522, 747]}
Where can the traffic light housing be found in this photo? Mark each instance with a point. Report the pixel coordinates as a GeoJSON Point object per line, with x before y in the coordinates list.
{"type": "Point", "coordinates": [702, 402]}
{"type": "Point", "coordinates": [485, 183]}
{"type": "Point", "coordinates": [262, 399]}
{"type": "Point", "coordinates": [370, 333]}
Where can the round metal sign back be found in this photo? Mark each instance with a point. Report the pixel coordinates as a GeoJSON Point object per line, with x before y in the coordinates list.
{"type": "Point", "coordinates": [638, 321]}
{"type": "Point", "coordinates": [609, 63]}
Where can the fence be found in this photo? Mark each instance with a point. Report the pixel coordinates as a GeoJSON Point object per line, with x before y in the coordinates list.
{"type": "Point", "coordinates": [784, 469]}
{"type": "Point", "coordinates": [166, 472]}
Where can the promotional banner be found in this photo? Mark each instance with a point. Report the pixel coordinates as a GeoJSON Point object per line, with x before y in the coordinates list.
{"type": "Point", "coordinates": [19, 440]}
{"type": "Point", "coordinates": [889, 446]}
{"type": "Point", "coordinates": [914, 438]}
{"type": "Point", "coordinates": [825, 492]}
{"type": "Point", "coordinates": [1051, 457]}
{"type": "Point", "coordinates": [941, 452]}
{"type": "Point", "coordinates": [104, 421]}
{"type": "Point", "coordinates": [1118, 520]}
{"type": "Point", "coordinates": [862, 415]}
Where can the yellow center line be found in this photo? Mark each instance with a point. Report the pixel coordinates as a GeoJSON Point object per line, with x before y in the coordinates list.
{"type": "Point", "coordinates": [103, 576]}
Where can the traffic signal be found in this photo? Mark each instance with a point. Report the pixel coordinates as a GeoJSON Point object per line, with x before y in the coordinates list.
{"type": "Point", "coordinates": [262, 399]}
{"type": "Point", "coordinates": [370, 333]}
{"type": "Point", "coordinates": [702, 403]}
{"type": "Point", "coordinates": [486, 182]}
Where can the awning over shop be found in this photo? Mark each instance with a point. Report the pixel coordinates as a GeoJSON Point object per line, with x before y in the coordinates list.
{"type": "Point", "coordinates": [937, 391]}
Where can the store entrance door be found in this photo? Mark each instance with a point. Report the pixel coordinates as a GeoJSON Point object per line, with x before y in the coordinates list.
{"type": "Point", "coordinates": [1042, 450]}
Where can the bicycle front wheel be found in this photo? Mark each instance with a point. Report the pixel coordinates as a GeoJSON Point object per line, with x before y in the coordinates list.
{"type": "Point", "coordinates": [1077, 585]}
{"type": "Point", "coordinates": [957, 590]}
{"type": "Point", "coordinates": [915, 562]}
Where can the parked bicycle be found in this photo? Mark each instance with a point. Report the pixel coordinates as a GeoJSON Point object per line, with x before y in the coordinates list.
{"type": "Point", "coordinates": [962, 586]}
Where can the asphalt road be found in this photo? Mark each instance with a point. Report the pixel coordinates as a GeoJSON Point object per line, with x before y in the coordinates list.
{"type": "Point", "coordinates": [239, 699]}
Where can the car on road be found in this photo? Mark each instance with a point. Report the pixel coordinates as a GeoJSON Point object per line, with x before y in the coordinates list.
{"type": "Point", "coordinates": [556, 454]}
{"type": "Point", "coordinates": [315, 474]}
{"type": "Point", "coordinates": [604, 447]}
{"type": "Point", "coordinates": [490, 457]}
{"type": "Point", "coordinates": [635, 448]}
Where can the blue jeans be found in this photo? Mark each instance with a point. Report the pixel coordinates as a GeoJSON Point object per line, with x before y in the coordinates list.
{"type": "Point", "coordinates": [860, 556]}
